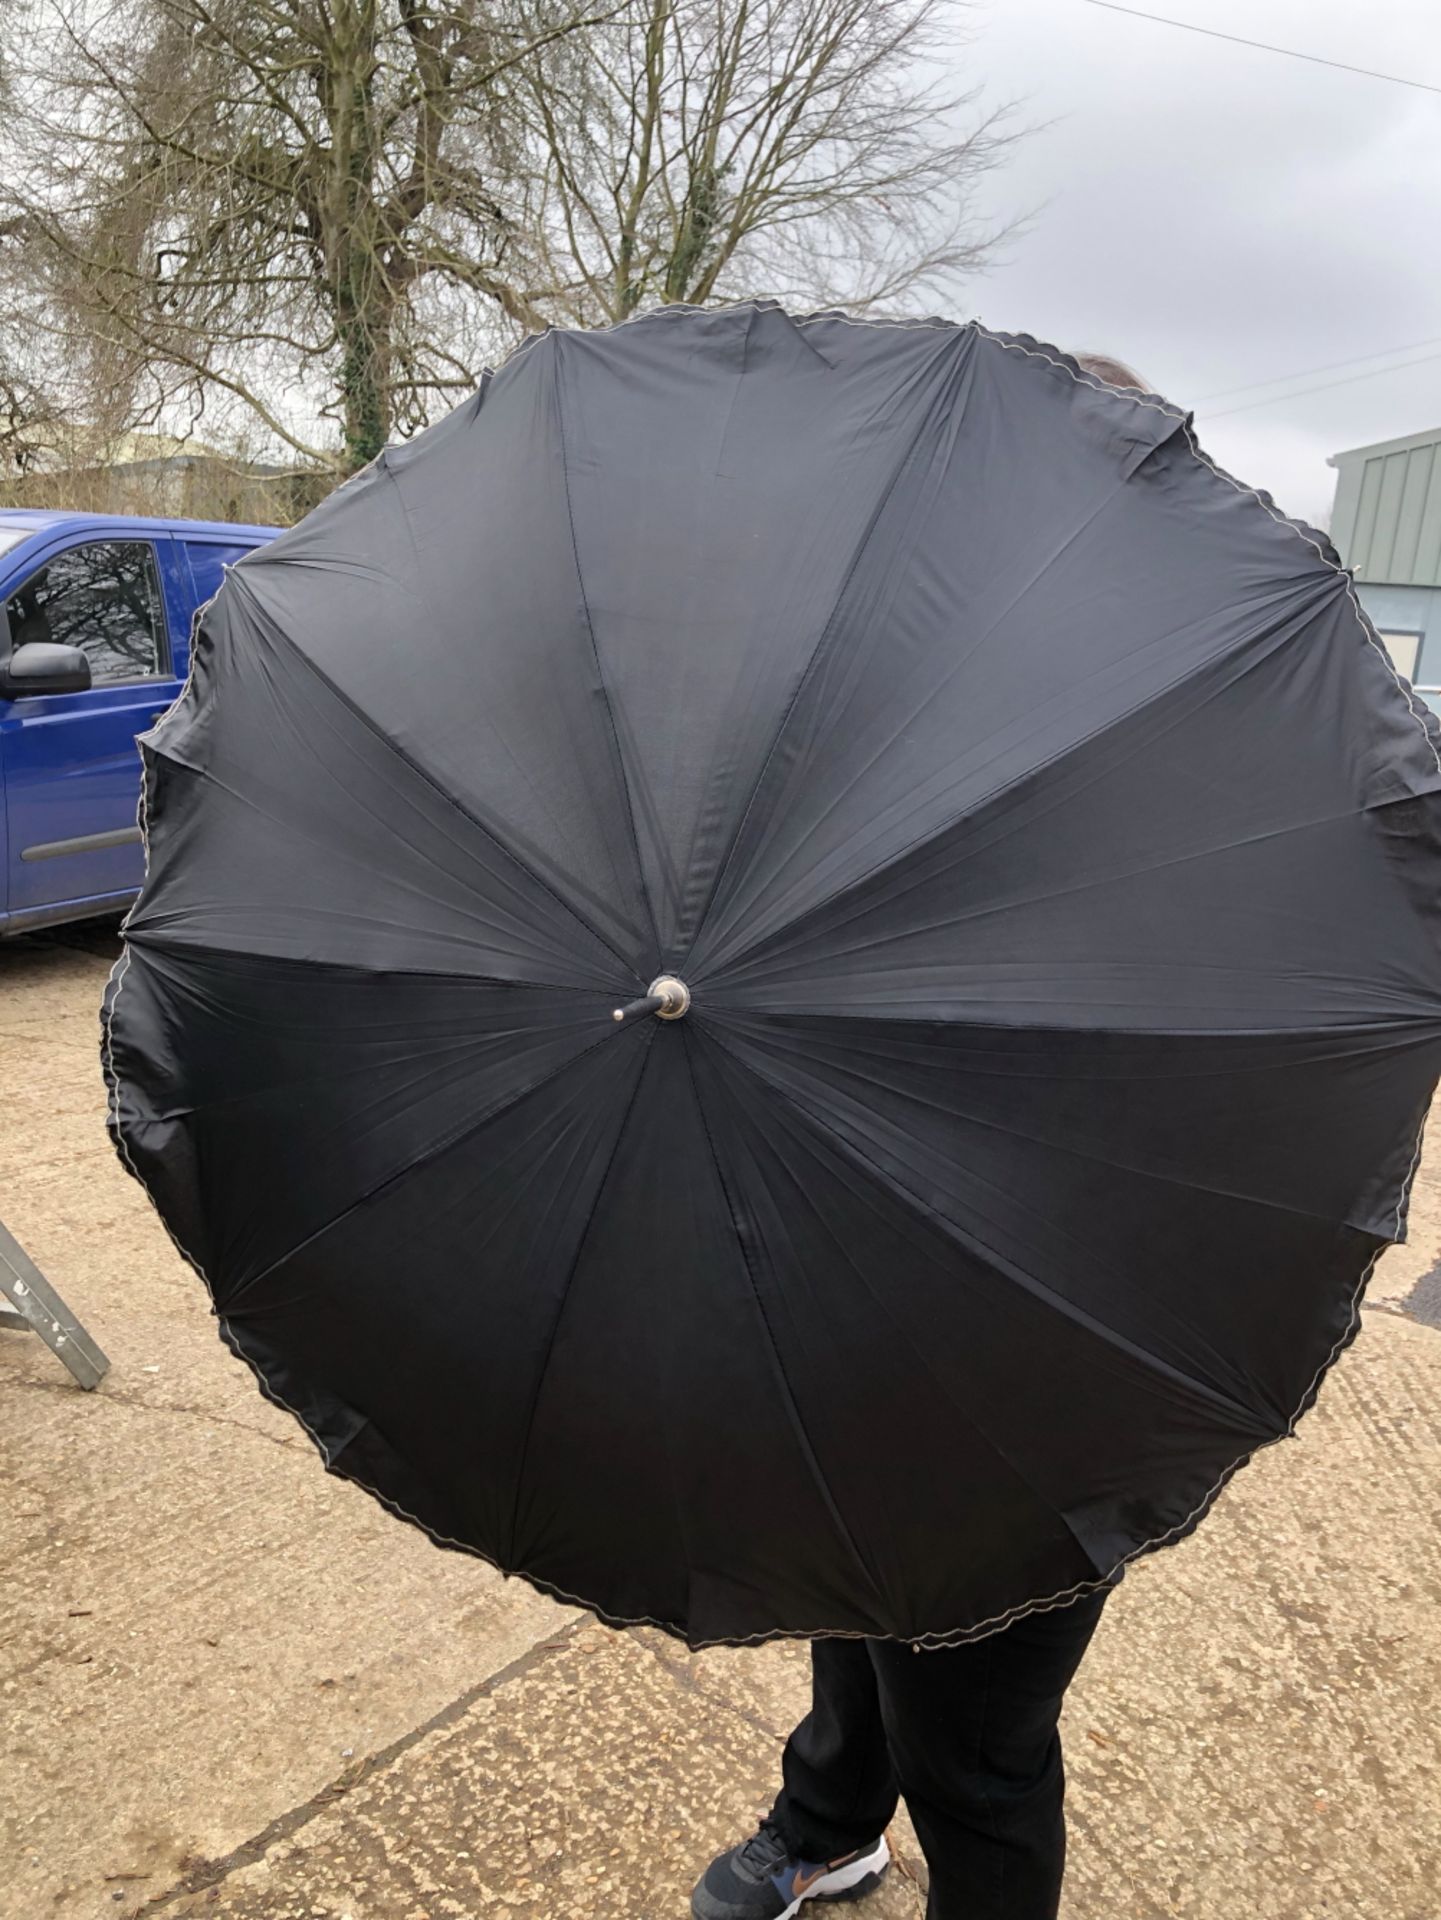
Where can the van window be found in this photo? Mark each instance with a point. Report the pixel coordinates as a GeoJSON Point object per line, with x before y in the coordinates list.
{"type": "Point", "coordinates": [103, 597]}
{"type": "Point", "coordinates": [208, 561]}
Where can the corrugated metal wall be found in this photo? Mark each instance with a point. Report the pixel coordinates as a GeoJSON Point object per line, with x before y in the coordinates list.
{"type": "Point", "coordinates": [1387, 519]}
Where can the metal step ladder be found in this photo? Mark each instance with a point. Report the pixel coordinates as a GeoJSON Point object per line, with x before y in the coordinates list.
{"type": "Point", "coordinates": [29, 1304]}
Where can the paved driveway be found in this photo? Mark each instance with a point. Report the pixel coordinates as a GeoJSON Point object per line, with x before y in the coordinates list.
{"type": "Point", "coordinates": [231, 1685]}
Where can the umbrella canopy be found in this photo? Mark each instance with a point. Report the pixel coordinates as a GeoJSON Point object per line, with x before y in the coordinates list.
{"type": "Point", "coordinates": [1042, 853]}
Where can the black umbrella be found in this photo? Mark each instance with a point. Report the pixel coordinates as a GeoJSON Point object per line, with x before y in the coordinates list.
{"type": "Point", "coordinates": [1015, 861]}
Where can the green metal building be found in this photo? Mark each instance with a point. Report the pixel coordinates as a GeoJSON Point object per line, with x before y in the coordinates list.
{"type": "Point", "coordinates": [1386, 524]}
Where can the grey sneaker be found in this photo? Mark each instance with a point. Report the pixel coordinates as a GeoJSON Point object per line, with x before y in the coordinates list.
{"type": "Point", "coordinates": [763, 1879]}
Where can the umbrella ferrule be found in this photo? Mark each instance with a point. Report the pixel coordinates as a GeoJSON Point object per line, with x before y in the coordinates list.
{"type": "Point", "coordinates": [673, 994]}
{"type": "Point", "coordinates": [667, 999]}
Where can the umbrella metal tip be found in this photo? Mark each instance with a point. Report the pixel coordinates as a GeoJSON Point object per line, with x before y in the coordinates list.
{"type": "Point", "coordinates": [667, 998]}
{"type": "Point", "coordinates": [673, 994]}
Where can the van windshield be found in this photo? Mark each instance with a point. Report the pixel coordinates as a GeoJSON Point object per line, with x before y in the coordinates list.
{"type": "Point", "coordinates": [12, 537]}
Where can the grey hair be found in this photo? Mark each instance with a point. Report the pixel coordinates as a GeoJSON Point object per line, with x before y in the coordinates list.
{"type": "Point", "coordinates": [1115, 373]}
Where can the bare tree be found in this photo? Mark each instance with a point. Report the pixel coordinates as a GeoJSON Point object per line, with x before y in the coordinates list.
{"type": "Point", "coordinates": [29, 420]}
{"type": "Point", "coordinates": [313, 221]}
{"type": "Point", "coordinates": [694, 150]}
{"type": "Point", "coordinates": [279, 201]}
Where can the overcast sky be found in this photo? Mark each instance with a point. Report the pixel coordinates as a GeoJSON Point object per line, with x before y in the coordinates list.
{"type": "Point", "coordinates": [1218, 216]}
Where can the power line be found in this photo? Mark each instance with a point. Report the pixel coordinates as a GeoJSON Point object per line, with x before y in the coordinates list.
{"type": "Point", "coordinates": [1263, 46]}
{"type": "Point", "coordinates": [1327, 366]}
{"type": "Point", "coordinates": [1324, 387]}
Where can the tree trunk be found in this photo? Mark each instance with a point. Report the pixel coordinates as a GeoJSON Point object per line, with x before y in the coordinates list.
{"type": "Point", "coordinates": [365, 368]}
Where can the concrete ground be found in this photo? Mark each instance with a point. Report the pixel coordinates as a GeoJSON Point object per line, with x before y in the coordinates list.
{"type": "Point", "coordinates": [231, 1685]}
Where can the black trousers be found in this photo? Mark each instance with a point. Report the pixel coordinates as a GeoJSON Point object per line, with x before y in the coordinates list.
{"type": "Point", "coordinates": [968, 1734]}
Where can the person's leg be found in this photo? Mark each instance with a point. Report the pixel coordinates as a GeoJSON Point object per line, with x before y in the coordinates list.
{"type": "Point", "coordinates": [974, 1742]}
{"type": "Point", "coordinates": [824, 1840]}
{"type": "Point", "coordinates": [839, 1789]}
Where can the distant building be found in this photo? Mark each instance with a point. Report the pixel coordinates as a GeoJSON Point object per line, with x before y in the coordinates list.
{"type": "Point", "coordinates": [1386, 524]}
{"type": "Point", "coordinates": [152, 473]}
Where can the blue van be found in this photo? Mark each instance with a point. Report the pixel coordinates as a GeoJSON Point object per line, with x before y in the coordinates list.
{"type": "Point", "coordinates": [95, 616]}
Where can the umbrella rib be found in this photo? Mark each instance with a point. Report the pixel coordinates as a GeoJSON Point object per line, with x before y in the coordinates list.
{"type": "Point", "coordinates": [858, 910]}
{"type": "Point", "coordinates": [566, 1285]}
{"type": "Point", "coordinates": [455, 1138]}
{"type": "Point", "coordinates": [899, 727]}
{"type": "Point", "coordinates": [988, 801]}
{"type": "Point", "coordinates": [788, 1399]}
{"type": "Point", "coordinates": [614, 731]}
{"type": "Point", "coordinates": [923, 1360]}
{"type": "Point", "coordinates": [152, 937]}
{"type": "Point", "coordinates": [923, 1021]}
{"type": "Point", "coordinates": [536, 787]}
{"type": "Point", "coordinates": [1122, 1166]}
{"type": "Point", "coordinates": [425, 1068]}
{"type": "Point", "coordinates": [450, 800]}
{"type": "Point", "coordinates": [973, 1243]}
{"type": "Point", "coordinates": [292, 825]}
{"type": "Point", "coordinates": [808, 670]}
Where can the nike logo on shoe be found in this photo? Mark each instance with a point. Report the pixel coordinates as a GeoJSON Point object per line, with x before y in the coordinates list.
{"type": "Point", "coordinates": [806, 1878]}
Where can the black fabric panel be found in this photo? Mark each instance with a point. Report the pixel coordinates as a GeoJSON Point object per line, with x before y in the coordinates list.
{"type": "Point", "coordinates": [1182, 1196]}
{"type": "Point", "coordinates": [297, 832]}
{"type": "Point", "coordinates": [1171, 871]}
{"type": "Point", "coordinates": [291, 1092]}
{"type": "Point", "coordinates": [668, 1468]}
{"type": "Point", "coordinates": [1006, 608]}
{"type": "Point", "coordinates": [438, 593]}
{"type": "Point", "coordinates": [713, 570]}
{"type": "Point", "coordinates": [423, 1314]}
{"type": "Point", "coordinates": [1251, 1116]}
{"type": "Point", "coordinates": [931, 1443]}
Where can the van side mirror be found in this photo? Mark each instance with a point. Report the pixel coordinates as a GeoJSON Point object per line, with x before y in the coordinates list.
{"type": "Point", "coordinates": [44, 667]}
